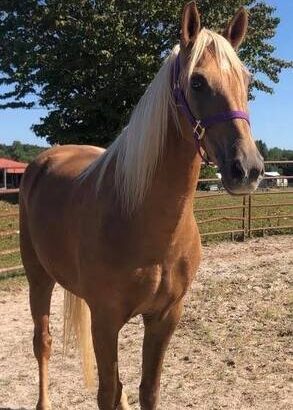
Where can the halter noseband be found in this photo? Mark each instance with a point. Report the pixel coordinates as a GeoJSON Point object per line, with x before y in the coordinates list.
{"type": "Point", "coordinates": [199, 126]}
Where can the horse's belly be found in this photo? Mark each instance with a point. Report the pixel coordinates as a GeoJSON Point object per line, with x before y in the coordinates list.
{"type": "Point", "coordinates": [54, 240]}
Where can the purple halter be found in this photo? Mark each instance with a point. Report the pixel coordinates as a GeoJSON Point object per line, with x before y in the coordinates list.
{"type": "Point", "coordinates": [199, 126]}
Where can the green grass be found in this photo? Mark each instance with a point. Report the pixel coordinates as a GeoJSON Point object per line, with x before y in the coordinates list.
{"type": "Point", "coordinates": [11, 241]}
{"type": "Point", "coordinates": [219, 200]}
{"type": "Point", "coordinates": [6, 206]}
{"type": "Point", "coordinates": [9, 223]}
{"type": "Point", "coordinates": [9, 260]}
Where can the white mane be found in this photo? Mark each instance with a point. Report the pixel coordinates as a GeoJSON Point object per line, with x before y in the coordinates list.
{"type": "Point", "coordinates": [138, 149]}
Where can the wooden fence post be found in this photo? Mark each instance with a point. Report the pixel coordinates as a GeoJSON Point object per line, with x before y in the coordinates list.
{"type": "Point", "coordinates": [5, 178]}
{"type": "Point", "coordinates": [249, 216]}
{"type": "Point", "coordinates": [243, 216]}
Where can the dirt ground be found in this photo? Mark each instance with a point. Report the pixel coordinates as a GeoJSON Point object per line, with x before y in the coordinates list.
{"type": "Point", "coordinates": [232, 350]}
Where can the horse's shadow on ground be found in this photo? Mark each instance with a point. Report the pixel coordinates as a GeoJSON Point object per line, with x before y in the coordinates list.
{"type": "Point", "coordinates": [10, 408]}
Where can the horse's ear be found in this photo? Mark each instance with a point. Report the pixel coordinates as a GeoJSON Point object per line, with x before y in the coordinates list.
{"type": "Point", "coordinates": [237, 28]}
{"type": "Point", "coordinates": [190, 25]}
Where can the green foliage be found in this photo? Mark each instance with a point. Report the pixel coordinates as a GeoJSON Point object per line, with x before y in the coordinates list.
{"type": "Point", "coordinates": [88, 61]}
{"type": "Point", "coordinates": [207, 172]}
{"type": "Point", "coordinates": [263, 149]}
{"type": "Point", "coordinates": [276, 154]}
{"type": "Point", "coordinates": [20, 152]}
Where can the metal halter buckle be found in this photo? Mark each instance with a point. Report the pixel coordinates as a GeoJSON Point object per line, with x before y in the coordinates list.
{"type": "Point", "coordinates": [200, 130]}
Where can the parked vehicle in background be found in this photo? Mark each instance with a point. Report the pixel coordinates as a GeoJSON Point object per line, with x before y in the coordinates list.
{"type": "Point", "coordinates": [271, 180]}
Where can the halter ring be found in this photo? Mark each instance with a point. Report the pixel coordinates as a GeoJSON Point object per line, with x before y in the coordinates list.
{"type": "Point", "coordinates": [199, 130]}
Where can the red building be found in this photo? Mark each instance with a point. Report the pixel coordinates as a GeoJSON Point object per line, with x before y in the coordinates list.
{"type": "Point", "coordinates": [11, 173]}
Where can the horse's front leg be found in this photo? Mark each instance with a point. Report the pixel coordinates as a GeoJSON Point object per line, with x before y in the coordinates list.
{"type": "Point", "coordinates": [105, 329]}
{"type": "Point", "coordinates": [158, 332]}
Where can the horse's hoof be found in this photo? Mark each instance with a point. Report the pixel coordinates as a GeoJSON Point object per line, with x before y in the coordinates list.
{"type": "Point", "coordinates": [43, 406]}
{"type": "Point", "coordinates": [123, 405]}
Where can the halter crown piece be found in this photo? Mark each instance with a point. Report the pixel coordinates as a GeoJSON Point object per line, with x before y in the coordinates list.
{"type": "Point", "coordinates": [199, 126]}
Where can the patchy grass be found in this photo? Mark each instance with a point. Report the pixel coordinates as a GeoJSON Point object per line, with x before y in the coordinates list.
{"type": "Point", "coordinates": [9, 242]}
{"type": "Point", "coordinates": [13, 283]}
{"type": "Point", "coordinates": [6, 206]}
{"type": "Point", "coordinates": [11, 259]}
{"type": "Point", "coordinates": [9, 223]}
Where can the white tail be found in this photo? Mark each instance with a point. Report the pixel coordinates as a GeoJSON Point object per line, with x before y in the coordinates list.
{"type": "Point", "coordinates": [77, 320]}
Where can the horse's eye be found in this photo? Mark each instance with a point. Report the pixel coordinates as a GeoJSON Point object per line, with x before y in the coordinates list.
{"type": "Point", "coordinates": [197, 82]}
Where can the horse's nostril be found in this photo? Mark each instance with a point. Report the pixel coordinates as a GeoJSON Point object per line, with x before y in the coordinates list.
{"type": "Point", "coordinates": [237, 170]}
{"type": "Point", "coordinates": [254, 173]}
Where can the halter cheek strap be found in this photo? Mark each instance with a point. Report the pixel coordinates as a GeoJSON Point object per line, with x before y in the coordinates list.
{"type": "Point", "coordinates": [199, 126]}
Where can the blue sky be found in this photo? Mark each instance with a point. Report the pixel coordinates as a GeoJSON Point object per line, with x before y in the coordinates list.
{"type": "Point", "coordinates": [271, 115]}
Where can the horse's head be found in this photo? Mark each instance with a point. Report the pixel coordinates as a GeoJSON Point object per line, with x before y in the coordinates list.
{"type": "Point", "coordinates": [215, 84]}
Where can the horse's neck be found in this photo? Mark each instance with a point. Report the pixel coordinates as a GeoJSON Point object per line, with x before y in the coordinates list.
{"type": "Point", "coordinates": [176, 178]}
{"type": "Point", "coordinates": [165, 215]}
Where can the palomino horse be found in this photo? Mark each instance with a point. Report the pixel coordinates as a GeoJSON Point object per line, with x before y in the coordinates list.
{"type": "Point", "coordinates": [116, 228]}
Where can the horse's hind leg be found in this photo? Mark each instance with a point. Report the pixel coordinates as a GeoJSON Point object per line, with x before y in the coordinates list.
{"type": "Point", "coordinates": [41, 287]}
{"type": "Point", "coordinates": [40, 291]}
{"type": "Point", "coordinates": [40, 299]}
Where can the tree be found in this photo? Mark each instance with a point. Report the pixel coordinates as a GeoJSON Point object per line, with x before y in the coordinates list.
{"type": "Point", "coordinates": [20, 152]}
{"type": "Point", "coordinates": [263, 149]}
{"type": "Point", "coordinates": [278, 154]}
{"type": "Point", "coordinates": [89, 61]}
{"type": "Point", "coordinates": [207, 172]}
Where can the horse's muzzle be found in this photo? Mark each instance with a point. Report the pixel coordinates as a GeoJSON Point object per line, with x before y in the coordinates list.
{"type": "Point", "coordinates": [243, 176]}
